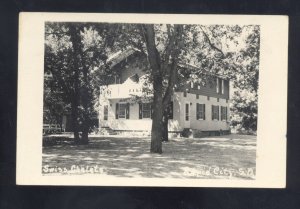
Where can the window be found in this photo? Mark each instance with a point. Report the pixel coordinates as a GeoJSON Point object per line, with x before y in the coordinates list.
{"type": "Point", "coordinates": [215, 112]}
{"type": "Point", "coordinates": [192, 84]}
{"type": "Point", "coordinates": [200, 111]}
{"type": "Point", "coordinates": [184, 93]}
{"type": "Point", "coordinates": [146, 110]}
{"type": "Point", "coordinates": [223, 113]}
{"type": "Point", "coordinates": [117, 79]}
{"type": "Point", "coordinates": [197, 96]}
{"type": "Point", "coordinates": [187, 112]}
{"type": "Point", "coordinates": [217, 85]}
{"type": "Point", "coordinates": [122, 110]}
{"type": "Point", "coordinates": [105, 112]}
{"type": "Point", "coordinates": [208, 98]}
{"type": "Point", "coordinates": [218, 99]}
{"type": "Point", "coordinates": [222, 87]}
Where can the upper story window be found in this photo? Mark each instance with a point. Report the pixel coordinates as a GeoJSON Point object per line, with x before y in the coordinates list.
{"type": "Point", "coordinates": [222, 87]}
{"type": "Point", "coordinates": [217, 85]}
{"type": "Point", "coordinates": [117, 79]}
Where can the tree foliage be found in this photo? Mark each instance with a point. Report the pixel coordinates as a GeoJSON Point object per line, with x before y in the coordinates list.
{"type": "Point", "coordinates": [73, 54]}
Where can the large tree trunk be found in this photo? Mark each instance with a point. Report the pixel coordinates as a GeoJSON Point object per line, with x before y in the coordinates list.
{"type": "Point", "coordinates": [173, 52]}
{"type": "Point", "coordinates": [155, 63]}
{"type": "Point", "coordinates": [86, 102]}
{"type": "Point", "coordinates": [165, 126]}
{"type": "Point", "coordinates": [86, 116]}
{"type": "Point", "coordinates": [156, 134]}
{"type": "Point", "coordinates": [75, 125]}
{"type": "Point", "coordinates": [75, 38]}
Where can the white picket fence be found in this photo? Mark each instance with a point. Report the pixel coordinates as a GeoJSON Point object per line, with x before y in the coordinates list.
{"type": "Point", "coordinates": [52, 128]}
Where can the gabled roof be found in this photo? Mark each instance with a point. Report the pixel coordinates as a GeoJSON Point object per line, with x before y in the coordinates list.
{"type": "Point", "coordinates": [119, 56]}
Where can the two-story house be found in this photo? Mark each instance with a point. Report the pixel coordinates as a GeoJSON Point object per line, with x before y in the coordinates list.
{"type": "Point", "coordinates": [193, 106]}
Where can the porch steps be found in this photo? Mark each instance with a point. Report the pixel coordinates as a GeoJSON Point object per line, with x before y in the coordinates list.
{"type": "Point", "coordinates": [108, 131]}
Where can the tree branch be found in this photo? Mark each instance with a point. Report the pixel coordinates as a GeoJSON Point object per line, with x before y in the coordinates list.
{"type": "Point", "coordinates": [153, 55]}
{"type": "Point", "coordinates": [210, 43]}
{"type": "Point", "coordinates": [173, 73]}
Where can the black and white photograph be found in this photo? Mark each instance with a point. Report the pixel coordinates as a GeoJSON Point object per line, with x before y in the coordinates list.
{"type": "Point", "coordinates": [151, 100]}
{"type": "Point", "coordinates": [117, 94]}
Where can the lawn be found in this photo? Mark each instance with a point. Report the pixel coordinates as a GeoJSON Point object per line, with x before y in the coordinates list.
{"type": "Point", "coordinates": [231, 156]}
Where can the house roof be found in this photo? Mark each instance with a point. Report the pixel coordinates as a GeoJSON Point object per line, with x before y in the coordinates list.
{"type": "Point", "coordinates": [121, 55]}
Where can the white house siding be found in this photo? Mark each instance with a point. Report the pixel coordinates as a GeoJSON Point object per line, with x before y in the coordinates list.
{"type": "Point", "coordinates": [205, 125]}
{"type": "Point", "coordinates": [133, 123]}
{"type": "Point", "coordinates": [178, 123]}
{"type": "Point", "coordinates": [208, 124]}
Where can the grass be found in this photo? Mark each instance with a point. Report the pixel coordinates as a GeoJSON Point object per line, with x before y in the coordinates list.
{"type": "Point", "coordinates": [231, 156]}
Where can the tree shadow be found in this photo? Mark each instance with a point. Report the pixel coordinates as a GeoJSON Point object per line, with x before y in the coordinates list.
{"type": "Point", "coordinates": [130, 157]}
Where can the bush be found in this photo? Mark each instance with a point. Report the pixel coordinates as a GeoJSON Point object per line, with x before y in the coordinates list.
{"type": "Point", "coordinates": [186, 132]}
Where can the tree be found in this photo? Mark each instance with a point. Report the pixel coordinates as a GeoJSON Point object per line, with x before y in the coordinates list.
{"type": "Point", "coordinates": [72, 53]}
{"type": "Point", "coordinates": [217, 49]}
{"type": "Point", "coordinates": [244, 100]}
{"type": "Point", "coordinates": [75, 51]}
{"type": "Point", "coordinates": [54, 106]}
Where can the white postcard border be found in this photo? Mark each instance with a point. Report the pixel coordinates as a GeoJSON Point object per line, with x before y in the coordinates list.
{"type": "Point", "coordinates": [272, 102]}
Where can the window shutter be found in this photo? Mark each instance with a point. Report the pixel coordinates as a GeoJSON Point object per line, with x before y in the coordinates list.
{"type": "Point", "coordinates": [218, 112]}
{"type": "Point", "coordinates": [203, 111]}
{"type": "Point", "coordinates": [186, 112]}
{"type": "Point", "coordinates": [140, 111]}
{"type": "Point", "coordinates": [212, 112]}
{"type": "Point", "coordinates": [117, 110]}
{"type": "Point", "coordinates": [127, 110]}
{"type": "Point", "coordinates": [226, 114]}
{"type": "Point", "coordinates": [221, 112]}
{"type": "Point", "coordinates": [197, 111]}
